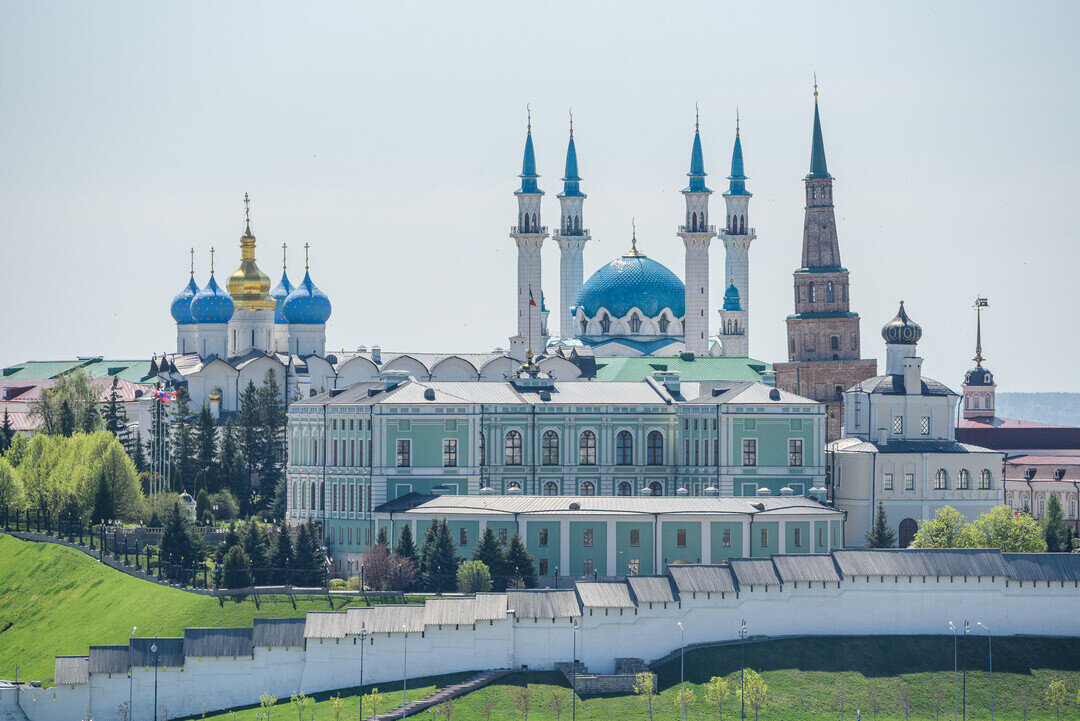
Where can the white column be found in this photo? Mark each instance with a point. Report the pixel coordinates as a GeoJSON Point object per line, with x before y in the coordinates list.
{"type": "Point", "coordinates": [746, 539]}
{"type": "Point", "coordinates": [611, 557]}
{"type": "Point", "coordinates": [564, 547]}
{"type": "Point", "coordinates": [706, 541]}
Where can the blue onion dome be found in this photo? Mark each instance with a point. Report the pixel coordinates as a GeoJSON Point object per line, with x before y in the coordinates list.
{"type": "Point", "coordinates": [212, 304]}
{"type": "Point", "coordinates": [979, 376]}
{"type": "Point", "coordinates": [902, 329]}
{"type": "Point", "coordinates": [279, 294]}
{"type": "Point", "coordinates": [633, 281]}
{"type": "Point", "coordinates": [731, 298]}
{"type": "Point", "coordinates": [306, 304]}
{"type": "Point", "coordinates": [181, 304]}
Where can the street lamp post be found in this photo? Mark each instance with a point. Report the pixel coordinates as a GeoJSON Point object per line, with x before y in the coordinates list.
{"type": "Point", "coordinates": [153, 650]}
{"type": "Point", "coordinates": [955, 689]}
{"type": "Point", "coordinates": [990, 650]}
{"type": "Point", "coordinates": [967, 630]}
{"type": "Point", "coordinates": [404, 670]}
{"type": "Point", "coordinates": [573, 670]}
{"type": "Point", "coordinates": [742, 667]}
{"type": "Point", "coordinates": [131, 676]}
{"type": "Point", "coordinates": [682, 666]}
{"type": "Point", "coordinates": [363, 640]}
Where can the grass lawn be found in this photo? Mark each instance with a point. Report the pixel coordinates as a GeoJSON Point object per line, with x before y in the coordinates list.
{"type": "Point", "coordinates": [807, 680]}
{"type": "Point", "coordinates": [59, 601]}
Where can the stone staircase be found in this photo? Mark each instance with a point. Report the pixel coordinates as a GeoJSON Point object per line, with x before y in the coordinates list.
{"type": "Point", "coordinates": [414, 707]}
{"type": "Point", "coordinates": [621, 682]}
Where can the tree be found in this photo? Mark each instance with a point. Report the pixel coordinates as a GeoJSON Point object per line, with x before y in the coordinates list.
{"type": "Point", "coordinates": [445, 709]}
{"type": "Point", "coordinates": [903, 695]}
{"type": "Point", "coordinates": [181, 546]}
{"type": "Point", "coordinates": [473, 577]}
{"type": "Point", "coordinates": [756, 692]}
{"type": "Point", "coordinates": [684, 699]}
{"type": "Point", "coordinates": [1057, 696]}
{"type": "Point", "coordinates": [202, 505]}
{"type": "Point", "coordinates": [266, 701]}
{"type": "Point", "coordinates": [438, 558]}
{"type": "Point", "coordinates": [236, 569]}
{"type": "Point", "coordinates": [557, 704]}
{"type": "Point", "coordinates": [111, 478]}
{"type": "Point", "coordinates": [113, 408]}
{"type": "Point", "coordinates": [67, 419]}
{"type": "Point", "coordinates": [1055, 530]}
{"type": "Point", "coordinates": [12, 492]}
{"type": "Point", "coordinates": [520, 564]}
{"type": "Point", "coordinates": [103, 503]}
{"type": "Point", "coordinates": [231, 468]}
{"type": "Point", "coordinates": [183, 440]}
{"type": "Point", "coordinates": [301, 703]}
{"type": "Point", "coordinates": [487, 707]}
{"type": "Point", "coordinates": [1007, 530]}
{"type": "Point", "coordinates": [645, 687]}
{"type": "Point", "coordinates": [944, 530]}
{"type": "Point", "coordinates": [272, 420]}
{"type": "Point", "coordinates": [134, 448]}
{"type": "Point", "coordinates": [308, 564]}
{"type": "Point", "coordinates": [337, 707]}
{"type": "Point", "coordinates": [523, 700]}
{"type": "Point", "coordinates": [406, 548]}
{"type": "Point", "coordinates": [207, 476]}
{"type": "Point", "coordinates": [71, 403]}
{"type": "Point", "coordinates": [873, 699]}
{"type": "Point", "coordinates": [223, 505]}
{"type": "Point", "coordinates": [249, 427]}
{"type": "Point", "coordinates": [376, 561]}
{"type": "Point", "coordinates": [382, 537]}
{"type": "Point", "coordinates": [17, 449]}
{"type": "Point", "coordinates": [716, 693]}
{"type": "Point", "coordinates": [880, 534]}
{"type": "Point", "coordinates": [7, 432]}
{"type": "Point", "coordinates": [374, 696]}
{"type": "Point", "coordinates": [489, 552]}
{"type": "Point", "coordinates": [402, 573]}
{"type": "Point", "coordinates": [282, 557]}
{"type": "Point", "coordinates": [256, 545]}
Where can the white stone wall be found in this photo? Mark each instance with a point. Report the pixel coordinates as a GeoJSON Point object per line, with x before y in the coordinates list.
{"type": "Point", "coordinates": [696, 322]}
{"type": "Point", "coordinates": [244, 324]}
{"type": "Point", "coordinates": [571, 273]}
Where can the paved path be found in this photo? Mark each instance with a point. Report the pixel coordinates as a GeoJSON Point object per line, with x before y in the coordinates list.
{"type": "Point", "coordinates": [438, 697]}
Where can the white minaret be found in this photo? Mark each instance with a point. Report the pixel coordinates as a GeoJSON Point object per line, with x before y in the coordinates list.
{"type": "Point", "coordinates": [697, 234]}
{"type": "Point", "coordinates": [737, 236]}
{"type": "Point", "coordinates": [571, 238]}
{"type": "Point", "coordinates": [529, 234]}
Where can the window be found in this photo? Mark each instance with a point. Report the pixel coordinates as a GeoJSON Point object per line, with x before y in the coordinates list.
{"type": "Point", "coordinates": [333, 497]}
{"type": "Point", "coordinates": [984, 480]}
{"type": "Point", "coordinates": [654, 449]}
{"type": "Point", "coordinates": [404, 453]}
{"type": "Point", "coordinates": [502, 536]}
{"type": "Point", "coordinates": [542, 566]}
{"type": "Point", "coordinates": [897, 425]}
{"type": "Point", "coordinates": [513, 486]}
{"type": "Point", "coordinates": [725, 538]}
{"type": "Point", "coordinates": [941, 480]}
{"type": "Point", "coordinates": [586, 538]}
{"type": "Point", "coordinates": [584, 326]}
{"type": "Point", "coordinates": [963, 480]}
{"type": "Point", "coordinates": [633, 567]}
{"type": "Point", "coordinates": [810, 291]}
{"type": "Point", "coordinates": [550, 449]}
{"type": "Point", "coordinates": [820, 537]}
{"type": "Point", "coordinates": [449, 453]}
{"type": "Point", "coordinates": [795, 447]}
{"type": "Point", "coordinates": [333, 452]}
{"type": "Point", "coordinates": [635, 324]}
{"type": "Point", "coordinates": [483, 449]}
{"type": "Point", "coordinates": [605, 323]}
{"type": "Point", "coordinates": [797, 537]}
{"type": "Point", "coordinates": [625, 489]}
{"type": "Point", "coordinates": [764, 537]}
{"type": "Point", "coordinates": [887, 482]}
{"type": "Point", "coordinates": [635, 538]}
{"type": "Point", "coordinates": [924, 425]}
{"type": "Point", "coordinates": [909, 481]}
{"type": "Point", "coordinates": [749, 452]}
{"type": "Point", "coordinates": [586, 567]}
{"type": "Point", "coordinates": [463, 537]}
{"type": "Point", "coordinates": [663, 323]}
{"type": "Point", "coordinates": [697, 452]}
{"type": "Point", "coordinates": [588, 488]}
{"type": "Point", "coordinates": [624, 449]}
{"type": "Point", "coordinates": [587, 448]}
{"type": "Point", "coordinates": [686, 452]}
{"type": "Point", "coordinates": [680, 538]}
{"type": "Point", "coordinates": [834, 343]}
{"type": "Point", "coordinates": [656, 489]}
{"type": "Point", "coordinates": [352, 498]}
{"type": "Point", "coordinates": [830, 292]}
{"type": "Point", "coordinates": [512, 449]}
{"type": "Point", "coordinates": [551, 488]}
{"type": "Point", "coordinates": [542, 537]}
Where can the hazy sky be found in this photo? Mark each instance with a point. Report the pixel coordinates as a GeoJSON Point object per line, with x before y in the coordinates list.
{"type": "Point", "coordinates": [389, 137]}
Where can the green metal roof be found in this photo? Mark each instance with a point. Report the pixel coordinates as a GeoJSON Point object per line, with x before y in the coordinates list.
{"type": "Point", "coordinates": [701, 368]}
{"type": "Point", "coordinates": [136, 371]}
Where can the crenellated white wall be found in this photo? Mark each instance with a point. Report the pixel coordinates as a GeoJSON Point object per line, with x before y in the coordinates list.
{"type": "Point", "coordinates": [857, 606]}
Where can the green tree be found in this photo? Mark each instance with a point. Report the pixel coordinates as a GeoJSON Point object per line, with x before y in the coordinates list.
{"type": "Point", "coordinates": [249, 428]}
{"type": "Point", "coordinates": [266, 701]}
{"type": "Point", "coordinates": [256, 545]}
{"type": "Point", "coordinates": [473, 577]}
{"type": "Point", "coordinates": [103, 503]}
{"type": "Point", "coordinates": [945, 530]}
{"type": "Point", "coordinates": [520, 564]}
{"type": "Point", "coordinates": [1057, 696]}
{"type": "Point", "coordinates": [205, 440]}
{"type": "Point", "coordinates": [67, 418]}
{"type": "Point", "coordinates": [1055, 530]}
{"type": "Point", "coordinates": [181, 546]}
{"type": "Point", "coordinates": [202, 505]}
{"type": "Point", "coordinates": [382, 537]}
{"type": "Point", "coordinates": [684, 699]}
{"type": "Point", "coordinates": [282, 557]}
{"type": "Point", "coordinates": [134, 448]}
{"type": "Point", "coordinates": [12, 492]}
{"type": "Point", "coordinates": [232, 469]}
{"type": "Point", "coordinates": [300, 705]}
{"type": "Point", "coordinates": [272, 421]}
{"type": "Point", "coordinates": [224, 506]}
{"type": "Point", "coordinates": [880, 534]}
{"type": "Point", "coordinates": [757, 691]}
{"type": "Point", "coordinates": [309, 564]}
{"type": "Point", "coordinates": [7, 432]}
{"type": "Point", "coordinates": [113, 471]}
{"type": "Point", "coordinates": [69, 404]}
{"type": "Point", "coordinates": [114, 415]}
{"type": "Point", "coordinates": [406, 548]}
{"type": "Point", "coordinates": [716, 693]}
{"type": "Point", "coordinates": [183, 440]}
{"type": "Point", "coordinates": [441, 560]}
{"type": "Point", "coordinates": [645, 687]}
{"type": "Point", "coordinates": [17, 449]}
{"type": "Point", "coordinates": [236, 572]}
{"type": "Point", "coordinates": [1004, 529]}
{"type": "Point", "coordinates": [490, 552]}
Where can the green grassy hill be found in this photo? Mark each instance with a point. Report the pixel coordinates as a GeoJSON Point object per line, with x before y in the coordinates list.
{"type": "Point", "coordinates": [59, 601]}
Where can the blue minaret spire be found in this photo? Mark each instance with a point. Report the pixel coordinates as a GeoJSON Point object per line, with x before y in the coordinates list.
{"type": "Point", "coordinates": [697, 162]}
{"type": "Point", "coordinates": [528, 164]}
{"type": "Point", "coordinates": [570, 174]}
{"type": "Point", "coordinates": [737, 186]}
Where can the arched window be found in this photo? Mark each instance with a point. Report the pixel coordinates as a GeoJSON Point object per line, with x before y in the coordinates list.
{"type": "Point", "coordinates": [512, 449]}
{"type": "Point", "coordinates": [908, 528]}
{"type": "Point", "coordinates": [941, 480]}
{"type": "Point", "coordinates": [963, 480]}
{"type": "Point", "coordinates": [313, 506]}
{"type": "Point", "coordinates": [483, 449]}
{"type": "Point", "coordinates": [550, 449]}
{"type": "Point", "coordinates": [605, 323]}
{"type": "Point", "coordinates": [525, 223]}
{"type": "Point", "coordinates": [577, 223]}
{"type": "Point", "coordinates": [810, 291]}
{"type": "Point", "coordinates": [742, 225]}
{"type": "Point", "coordinates": [656, 489]}
{"type": "Point", "coordinates": [663, 323]}
{"type": "Point", "coordinates": [655, 449]}
{"type": "Point", "coordinates": [588, 488]}
{"type": "Point", "coordinates": [535, 223]}
{"type": "Point", "coordinates": [551, 488]}
{"type": "Point", "coordinates": [513, 486]}
{"type": "Point", "coordinates": [830, 294]}
{"type": "Point", "coordinates": [635, 323]}
{"type": "Point", "coordinates": [624, 449]}
{"type": "Point", "coordinates": [693, 223]}
{"type": "Point", "coordinates": [322, 496]}
{"type": "Point", "coordinates": [587, 449]}
{"type": "Point", "coordinates": [624, 488]}
{"type": "Point", "coordinates": [584, 326]}
{"type": "Point", "coordinates": [984, 480]}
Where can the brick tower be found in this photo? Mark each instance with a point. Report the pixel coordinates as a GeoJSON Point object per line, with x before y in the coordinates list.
{"type": "Point", "coordinates": [823, 334]}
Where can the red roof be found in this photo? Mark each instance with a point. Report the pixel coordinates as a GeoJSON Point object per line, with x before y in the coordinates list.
{"type": "Point", "coordinates": [1009, 434]}
{"type": "Point", "coordinates": [1003, 423]}
{"type": "Point", "coordinates": [24, 391]}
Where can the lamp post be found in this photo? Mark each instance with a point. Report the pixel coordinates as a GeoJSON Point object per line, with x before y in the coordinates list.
{"type": "Point", "coordinates": [956, 703]}
{"type": "Point", "coordinates": [363, 640]}
{"type": "Point", "coordinates": [990, 650]}
{"type": "Point", "coordinates": [131, 675]}
{"type": "Point", "coordinates": [742, 667]}
{"type": "Point", "coordinates": [153, 650]}
{"type": "Point", "coordinates": [404, 669]}
{"type": "Point", "coordinates": [573, 670]}
{"type": "Point", "coordinates": [682, 666]}
{"type": "Point", "coordinates": [963, 705]}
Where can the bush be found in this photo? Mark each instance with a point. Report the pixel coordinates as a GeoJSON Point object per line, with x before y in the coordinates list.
{"type": "Point", "coordinates": [237, 569]}
{"type": "Point", "coordinates": [338, 584]}
{"type": "Point", "coordinates": [224, 505]}
{"type": "Point", "coordinates": [473, 577]}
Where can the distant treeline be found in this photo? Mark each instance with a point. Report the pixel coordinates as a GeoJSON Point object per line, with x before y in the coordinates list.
{"type": "Point", "coordinates": [1058, 408]}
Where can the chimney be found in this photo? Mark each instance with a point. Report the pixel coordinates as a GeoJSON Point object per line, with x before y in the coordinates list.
{"type": "Point", "coordinates": [376, 354]}
{"type": "Point", "coordinates": [392, 379]}
{"type": "Point", "coordinates": [912, 369]}
{"type": "Point", "coordinates": [669, 379]}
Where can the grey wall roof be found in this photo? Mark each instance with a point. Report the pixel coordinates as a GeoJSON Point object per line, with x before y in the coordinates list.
{"type": "Point", "coordinates": [325, 624]}
{"type": "Point", "coordinates": [217, 641]}
{"type": "Point", "coordinates": [278, 632]}
{"type": "Point", "coordinates": [651, 589]}
{"type": "Point", "coordinates": [109, 659]}
{"type": "Point", "coordinates": [385, 619]}
{"type": "Point", "coordinates": [755, 572]}
{"type": "Point", "coordinates": [71, 669]}
{"type": "Point", "coordinates": [450, 611]}
{"type": "Point", "coordinates": [170, 652]}
{"type": "Point", "coordinates": [604, 594]}
{"type": "Point", "coordinates": [922, 562]}
{"type": "Point", "coordinates": [1043, 566]}
{"type": "Point", "coordinates": [543, 604]}
{"type": "Point", "coordinates": [702, 578]}
{"type": "Point", "coordinates": [806, 568]}
{"type": "Point", "coordinates": [490, 606]}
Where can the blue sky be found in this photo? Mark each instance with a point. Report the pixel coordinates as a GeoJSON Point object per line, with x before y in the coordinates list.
{"type": "Point", "coordinates": [389, 136]}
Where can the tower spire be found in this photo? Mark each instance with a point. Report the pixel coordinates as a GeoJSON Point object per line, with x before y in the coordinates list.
{"type": "Point", "coordinates": [980, 303]}
{"type": "Point", "coordinates": [283, 261]}
{"type": "Point", "coordinates": [211, 261]}
{"type": "Point", "coordinates": [818, 167]}
{"type": "Point", "coordinates": [192, 262]}
{"type": "Point", "coordinates": [247, 212]}
{"type": "Point", "coordinates": [306, 246]}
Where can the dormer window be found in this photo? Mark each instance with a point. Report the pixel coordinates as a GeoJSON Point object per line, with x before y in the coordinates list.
{"type": "Point", "coordinates": [663, 323]}
{"type": "Point", "coordinates": [1059, 473]}
{"type": "Point", "coordinates": [1029, 474]}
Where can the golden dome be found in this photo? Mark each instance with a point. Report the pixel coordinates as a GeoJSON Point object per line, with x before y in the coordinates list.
{"type": "Point", "coordinates": [249, 286]}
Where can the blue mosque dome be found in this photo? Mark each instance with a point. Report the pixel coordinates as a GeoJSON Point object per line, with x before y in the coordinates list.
{"type": "Point", "coordinates": [279, 294]}
{"type": "Point", "coordinates": [181, 304]}
{"type": "Point", "coordinates": [212, 304]}
{"type": "Point", "coordinates": [633, 281]}
{"type": "Point", "coordinates": [731, 298]}
{"type": "Point", "coordinates": [306, 304]}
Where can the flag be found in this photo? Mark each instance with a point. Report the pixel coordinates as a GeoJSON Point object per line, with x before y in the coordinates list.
{"type": "Point", "coordinates": [531, 301]}
{"type": "Point", "coordinates": [165, 396]}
